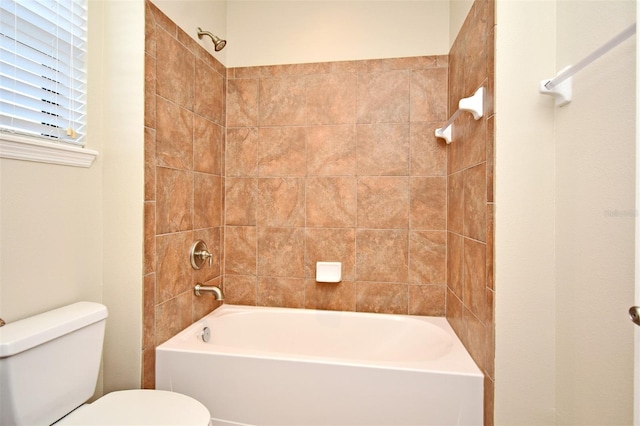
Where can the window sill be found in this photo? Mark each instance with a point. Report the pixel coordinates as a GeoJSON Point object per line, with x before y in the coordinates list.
{"type": "Point", "coordinates": [23, 148]}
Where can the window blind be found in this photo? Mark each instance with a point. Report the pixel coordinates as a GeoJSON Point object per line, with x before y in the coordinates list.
{"type": "Point", "coordinates": [42, 69]}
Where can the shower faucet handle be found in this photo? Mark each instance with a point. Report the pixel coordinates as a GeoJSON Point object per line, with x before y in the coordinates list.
{"type": "Point", "coordinates": [204, 255]}
{"type": "Point", "coordinates": [199, 254]}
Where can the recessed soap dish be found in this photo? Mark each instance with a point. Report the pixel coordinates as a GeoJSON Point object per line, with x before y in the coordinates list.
{"type": "Point", "coordinates": [328, 272]}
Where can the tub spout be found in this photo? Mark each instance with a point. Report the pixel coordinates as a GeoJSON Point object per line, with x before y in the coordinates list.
{"type": "Point", "coordinates": [199, 289]}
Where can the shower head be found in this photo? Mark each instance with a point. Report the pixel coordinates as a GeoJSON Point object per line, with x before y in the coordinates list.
{"type": "Point", "coordinates": [218, 43]}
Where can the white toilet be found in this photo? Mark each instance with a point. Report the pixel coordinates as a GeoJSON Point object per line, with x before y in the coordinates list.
{"type": "Point", "coordinates": [49, 365]}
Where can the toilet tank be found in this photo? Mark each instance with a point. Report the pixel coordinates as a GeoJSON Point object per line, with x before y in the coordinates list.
{"type": "Point", "coordinates": [49, 363]}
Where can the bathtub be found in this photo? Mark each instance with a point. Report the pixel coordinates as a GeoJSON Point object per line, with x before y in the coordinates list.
{"type": "Point", "coordinates": [279, 366]}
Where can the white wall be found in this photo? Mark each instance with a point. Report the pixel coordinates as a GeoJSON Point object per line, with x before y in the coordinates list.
{"type": "Point", "coordinates": [525, 196]}
{"type": "Point", "coordinates": [71, 234]}
{"type": "Point", "coordinates": [123, 187]}
{"type": "Point", "coordinates": [595, 214]}
{"type": "Point", "coordinates": [284, 32]}
{"type": "Point", "coordinates": [51, 226]}
{"type": "Point", "coordinates": [564, 257]}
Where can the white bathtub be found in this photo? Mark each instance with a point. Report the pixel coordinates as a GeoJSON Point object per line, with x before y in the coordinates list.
{"type": "Point", "coordinates": [278, 366]}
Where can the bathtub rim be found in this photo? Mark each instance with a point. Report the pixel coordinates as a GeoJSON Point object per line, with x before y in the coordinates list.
{"type": "Point", "coordinates": [458, 361]}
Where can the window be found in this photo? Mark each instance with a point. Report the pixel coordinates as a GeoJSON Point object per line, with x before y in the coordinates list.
{"type": "Point", "coordinates": [42, 72]}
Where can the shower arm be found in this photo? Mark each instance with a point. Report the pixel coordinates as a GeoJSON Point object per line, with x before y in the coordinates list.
{"type": "Point", "coordinates": [201, 32]}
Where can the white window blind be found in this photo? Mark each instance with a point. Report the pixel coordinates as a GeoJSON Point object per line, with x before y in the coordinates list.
{"type": "Point", "coordinates": [42, 69]}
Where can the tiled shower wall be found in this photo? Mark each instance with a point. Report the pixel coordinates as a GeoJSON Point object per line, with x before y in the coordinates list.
{"type": "Point", "coordinates": [184, 145]}
{"type": "Point", "coordinates": [337, 162]}
{"type": "Point", "coordinates": [470, 289]}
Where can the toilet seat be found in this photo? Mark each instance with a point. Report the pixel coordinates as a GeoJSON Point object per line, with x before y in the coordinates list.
{"type": "Point", "coordinates": [140, 407]}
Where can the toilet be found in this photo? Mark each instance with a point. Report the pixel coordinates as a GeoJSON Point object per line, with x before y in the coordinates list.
{"type": "Point", "coordinates": [49, 366]}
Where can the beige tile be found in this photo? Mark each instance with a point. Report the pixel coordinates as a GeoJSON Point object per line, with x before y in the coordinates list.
{"type": "Point", "coordinates": [474, 277]}
{"type": "Point", "coordinates": [488, 401]}
{"type": "Point", "coordinates": [429, 94]}
{"type": "Point", "coordinates": [475, 339]}
{"type": "Point", "coordinates": [331, 98]}
{"type": "Point", "coordinates": [241, 200]}
{"type": "Point", "coordinates": [174, 207]}
{"type": "Point", "coordinates": [281, 202]}
{"type": "Point", "coordinates": [455, 203]}
{"type": "Point", "coordinates": [330, 296]}
{"type": "Point", "coordinates": [331, 150]}
{"type": "Point", "coordinates": [281, 252]}
{"type": "Point", "coordinates": [490, 159]}
{"type": "Point", "coordinates": [149, 164]}
{"type": "Point", "coordinates": [173, 269]}
{"type": "Point", "coordinates": [209, 93]}
{"type": "Point", "coordinates": [242, 95]}
{"type": "Point", "coordinates": [490, 246]}
{"type": "Point", "coordinates": [383, 149]}
{"type": "Point", "coordinates": [282, 151]}
{"type": "Point", "coordinates": [330, 201]}
{"type": "Point", "coordinates": [455, 264]}
{"type": "Point", "coordinates": [382, 255]}
{"type": "Point", "coordinates": [475, 201]}
{"type": "Point", "coordinates": [282, 101]}
{"type": "Point", "coordinates": [383, 97]}
{"type": "Point", "coordinates": [207, 201]}
{"type": "Point", "coordinates": [428, 153]}
{"type": "Point", "coordinates": [148, 368]}
{"type": "Point", "coordinates": [242, 152]}
{"type": "Point", "coordinates": [427, 300]}
{"type": "Point", "coordinates": [149, 91]}
{"type": "Point", "coordinates": [428, 257]}
{"type": "Point", "coordinates": [490, 82]}
{"type": "Point", "coordinates": [149, 313]}
{"type": "Point", "coordinates": [174, 136]}
{"type": "Point", "coordinates": [383, 202]}
{"type": "Point", "coordinates": [456, 151]}
{"type": "Point", "coordinates": [149, 237]}
{"type": "Point", "coordinates": [380, 297]}
{"type": "Point", "coordinates": [455, 310]}
{"type": "Point", "coordinates": [172, 316]}
{"type": "Point", "coordinates": [240, 250]}
{"type": "Point", "coordinates": [282, 292]}
{"type": "Point", "coordinates": [240, 289]}
{"type": "Point", "coordinates": [428, 205]}
{"type": "Point", "coordinates": [475, 147]}
{"type": "Point", "coordinates": [176, 75]}
{"type": "Point", "coordinates": [207, 146]}
{"type": "Point", "coordinates": [476, 59]}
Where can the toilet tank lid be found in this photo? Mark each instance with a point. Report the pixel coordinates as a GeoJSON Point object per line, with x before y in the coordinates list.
{"type": "Point", "coordinates": [27, 333]}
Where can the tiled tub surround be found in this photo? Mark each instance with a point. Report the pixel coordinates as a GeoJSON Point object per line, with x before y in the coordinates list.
{"type": "Point", "coordinates": [470, 212]}
{"type": "Point", "coordinates": [337, 162]}
{"type": "Point", "coordinates": [328, 161]}
{"type": "Point", "coordinates": [184, 145]}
